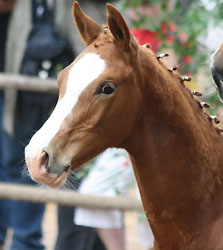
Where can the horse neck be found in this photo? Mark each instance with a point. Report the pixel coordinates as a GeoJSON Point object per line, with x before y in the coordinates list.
{"type": "Point", "coordinates": [176, 154]}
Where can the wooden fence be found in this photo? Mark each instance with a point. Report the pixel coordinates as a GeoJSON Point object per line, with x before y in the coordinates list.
{"type": "Point", "coordinates": [65, 197]}
{"type": "Point", "coordinates": [28, 83]}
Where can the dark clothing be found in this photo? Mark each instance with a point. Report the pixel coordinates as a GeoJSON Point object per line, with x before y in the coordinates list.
{"type": "Point", "coordinates": [74, 237]}
{"type": "Point", "coordinates": [24, 218]}
{"type": "Point", "coordinates": [4, 18]}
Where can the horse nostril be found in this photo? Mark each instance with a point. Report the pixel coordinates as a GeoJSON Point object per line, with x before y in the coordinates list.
{"type": "Point", "coordinates": [47, 168]}
{"type": "Point", "coordinates": [53, 167]}
{"type": "Point", "coordinates": [66, 168]}
{"type": "Point", "coordinates": [45, 161]}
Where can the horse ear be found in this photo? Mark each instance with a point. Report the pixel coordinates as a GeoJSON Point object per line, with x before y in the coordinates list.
{"type": "Point", "coordinates": [118, 26]}
{"type": "Point", "coordinates": [87, 27]}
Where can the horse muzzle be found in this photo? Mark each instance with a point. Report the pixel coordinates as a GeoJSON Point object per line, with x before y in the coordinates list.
{"type": "Point", "coordinates": [43, 169]}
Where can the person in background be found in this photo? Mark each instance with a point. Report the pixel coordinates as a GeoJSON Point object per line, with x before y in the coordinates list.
{"type": "Point", "coordinates": [5, 11]}
{"type": "Point", "coordinates": [110, 175]}
{"type": "Point", "coordinates": [23, 217]}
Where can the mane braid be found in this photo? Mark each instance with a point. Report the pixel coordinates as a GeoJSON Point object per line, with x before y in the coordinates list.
{"type": "Point", "coordinates": [207, 117]}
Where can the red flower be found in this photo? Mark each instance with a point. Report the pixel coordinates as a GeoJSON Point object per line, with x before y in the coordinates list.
{"type": "Point", "coordinates": [164, 28]}
{"type": "Point", "coordinates": [183, 36]}
{"type": "Point", "coordinates": [171, 39]}
{"type": "Point", "coordinates": [146, 36]}
{"type": "Point", "coordinates": [173, 27]}
{"type": "Point", "coordinates": [187, 59]}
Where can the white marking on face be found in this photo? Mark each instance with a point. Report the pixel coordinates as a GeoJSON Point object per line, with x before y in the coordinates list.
{"type": "Point", "coordinates": [83, 72]}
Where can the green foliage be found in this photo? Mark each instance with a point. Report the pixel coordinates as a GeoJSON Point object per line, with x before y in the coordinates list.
{"type": "Point", "coordinates": [213, 100]}
{"type": "Point", "coordinates": [191, 23]}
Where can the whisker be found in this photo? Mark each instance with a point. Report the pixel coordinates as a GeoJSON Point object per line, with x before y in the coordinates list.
{"type": "Point", "coordinates": [25, 171]}
{"type": "Point", "coordinates": [21, 161]}
{"type": "Point", "coordinates": [22, 143]}
{"type": "Point", "coordinates": [72, 181]}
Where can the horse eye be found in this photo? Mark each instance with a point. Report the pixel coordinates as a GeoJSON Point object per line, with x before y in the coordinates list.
{"type": "Point", "coordinates": [107, 88]}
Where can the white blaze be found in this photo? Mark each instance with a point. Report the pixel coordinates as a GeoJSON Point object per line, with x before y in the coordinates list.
{"type": "Point", "coordinates": [83, 72]}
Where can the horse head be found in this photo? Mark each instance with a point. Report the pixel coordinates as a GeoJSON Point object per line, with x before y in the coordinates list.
{"type": "Point", "coordinates": [217, 69]}
{"type": "Point", "coordinates": [99, 102]}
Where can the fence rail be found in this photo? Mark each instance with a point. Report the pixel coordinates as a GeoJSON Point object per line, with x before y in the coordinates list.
{"type": "Point", "coordinates": [28, 83]}
{"type": "Point", "coordinates": [65, 197]}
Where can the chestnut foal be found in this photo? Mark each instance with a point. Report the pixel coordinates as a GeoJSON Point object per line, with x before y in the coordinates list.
{"type": "Point", "coordinates": [119, 94]}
